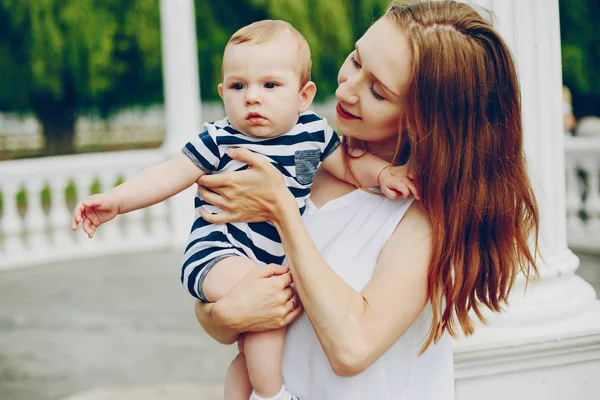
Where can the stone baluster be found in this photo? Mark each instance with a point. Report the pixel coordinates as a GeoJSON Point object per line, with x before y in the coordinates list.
{"type": "Point", "coordinates": [591, 164]}
{"type": "Point", "coordinates": [60, 215]}
{"type": "Point", "coordinates": [12, 226]}
{"type": "Point", "coordinates": [36, 220]}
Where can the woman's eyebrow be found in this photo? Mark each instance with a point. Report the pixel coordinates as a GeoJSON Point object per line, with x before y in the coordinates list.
{"type": "Point", "coordinates": [386, 88]}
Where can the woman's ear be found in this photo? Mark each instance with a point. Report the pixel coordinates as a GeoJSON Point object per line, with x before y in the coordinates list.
{"type": "Point", "coordinates": [307, 95]}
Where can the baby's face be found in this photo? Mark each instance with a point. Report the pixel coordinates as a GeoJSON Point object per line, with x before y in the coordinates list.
{"type": "Point", "coordinates": [261, 87]}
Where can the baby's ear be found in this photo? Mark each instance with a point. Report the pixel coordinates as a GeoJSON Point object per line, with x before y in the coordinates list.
{"type": "Point", "coordinates": [220, 90]}
{"type": "Point", "coordinates": [307, 95]}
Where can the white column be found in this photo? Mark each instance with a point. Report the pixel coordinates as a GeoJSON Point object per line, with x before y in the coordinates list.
{"type": "Point", "coordinates": [182, 99]}
{"type": "Point", "coordinates": [547, 343]}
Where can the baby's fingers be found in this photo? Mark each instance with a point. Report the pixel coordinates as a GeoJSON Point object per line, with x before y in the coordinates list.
{"type": "Point", "coordinates": [78, 215]}
{"type": "Point", "coordinates": [403, 187]}
{"type": "Point", "coordinates": [413, 189]}
{"type": "Point", "coordinates": [390, 193]}
{"type": "Point", "coordinates": [74, 223]}
{"type": "Point", "coordinates": [88, 227]}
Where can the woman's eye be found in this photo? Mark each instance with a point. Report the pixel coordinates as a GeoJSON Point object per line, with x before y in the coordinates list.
{"type": "Point", "coordinates": [270, 85]}
{"type": "Point", "coordinates": [375, 94]}
{"type": "Point", "coordinates": [356, 64]}
{"type": "Point", "coordinates": [237, 86]}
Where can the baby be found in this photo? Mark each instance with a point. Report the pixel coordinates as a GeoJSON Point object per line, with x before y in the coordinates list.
{"type": "Point", "coordinates": [266, 90]}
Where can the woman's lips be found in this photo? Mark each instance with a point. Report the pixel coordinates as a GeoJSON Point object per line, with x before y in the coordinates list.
{"type": "Point", "coordinates": [343, 113]}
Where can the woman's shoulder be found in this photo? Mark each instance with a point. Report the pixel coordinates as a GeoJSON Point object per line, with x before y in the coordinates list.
{"type": "Point", "coordinates": [414, 225]}
{"type": "Point", "coordinates": [416, 214]}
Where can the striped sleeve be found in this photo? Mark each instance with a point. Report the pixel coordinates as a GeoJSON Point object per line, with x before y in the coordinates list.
{"type": "Point", "coordinates": [203, 150]}
{"type": "Point", "coordinates": [332, 140]}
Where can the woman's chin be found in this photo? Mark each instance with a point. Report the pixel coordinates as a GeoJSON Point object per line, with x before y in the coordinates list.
{"type": "Point", "coordinates": [342, 127]}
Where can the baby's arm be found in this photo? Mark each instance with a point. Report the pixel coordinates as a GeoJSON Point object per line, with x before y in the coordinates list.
{"type": "Point", "coordinates": [152, 185]}
{"type": "Point", "coordinates": [371, 171]}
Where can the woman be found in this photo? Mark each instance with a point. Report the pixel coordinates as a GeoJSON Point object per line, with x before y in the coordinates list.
{"type": "Point", "coordinates": [384, 284]}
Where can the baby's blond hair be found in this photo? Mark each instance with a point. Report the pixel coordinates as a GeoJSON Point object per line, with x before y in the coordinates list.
{"type": "Point", "coordinates": [268, 30]}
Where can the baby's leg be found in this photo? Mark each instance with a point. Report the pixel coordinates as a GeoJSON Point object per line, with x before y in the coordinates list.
{"type": "Point", "coordinates": [224, 275]}
{"type": "Point", "coordinates": [237, 382]}
{"type": "Point", "coordinates": [263, 350]}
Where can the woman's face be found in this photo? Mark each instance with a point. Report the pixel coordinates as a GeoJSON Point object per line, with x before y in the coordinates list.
{"type": "Point", "coordinates": [372, 85]}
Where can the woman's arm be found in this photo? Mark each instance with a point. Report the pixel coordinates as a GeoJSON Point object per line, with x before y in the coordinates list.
{"type": "Point", "coordinates": [214, 323]}
{"type": "Point", "coordinates": [262, 300]}
{"type": "Point", "coordinates": [354, 328]}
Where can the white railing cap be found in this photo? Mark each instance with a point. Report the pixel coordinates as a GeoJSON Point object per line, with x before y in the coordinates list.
{"type": "Point", "coordinates": [73, 165]}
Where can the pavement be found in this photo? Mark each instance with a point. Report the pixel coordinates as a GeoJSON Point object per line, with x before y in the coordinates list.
{"type": "Point", "coordinates": [120, 327]}
{"type": "Point", "coordinates": [115, 328]}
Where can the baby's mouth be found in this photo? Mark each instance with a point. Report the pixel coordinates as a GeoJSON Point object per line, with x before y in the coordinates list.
{"type": "Point", "coordinates": [256, 118]}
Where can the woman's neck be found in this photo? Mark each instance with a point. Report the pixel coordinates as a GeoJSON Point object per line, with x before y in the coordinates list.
{"type": "Point", "coordinates": [386, 150]}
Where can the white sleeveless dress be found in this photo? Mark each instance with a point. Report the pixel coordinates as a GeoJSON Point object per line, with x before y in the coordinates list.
{"type": "Point", "coordinates": [350, 232]}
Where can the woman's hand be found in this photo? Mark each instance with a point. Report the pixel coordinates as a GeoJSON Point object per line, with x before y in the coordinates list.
{"type": "Point", "coordinates": [262, 300]}
{"type": "Point", "coordinates": [253, 195]}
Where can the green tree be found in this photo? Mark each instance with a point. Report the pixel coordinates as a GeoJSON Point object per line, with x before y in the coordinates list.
{"type": "Point", "coordinates": [580, 38]}
{"type": "Point", "coordinates": [58, 57]}
{"type": "Point", "coordinates": [61, 57]}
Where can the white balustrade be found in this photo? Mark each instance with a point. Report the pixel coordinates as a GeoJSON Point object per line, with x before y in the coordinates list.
{"type": "Point", "coordinates": [38, 237]}
{"type": "Point", "coordinates": [583, 192]}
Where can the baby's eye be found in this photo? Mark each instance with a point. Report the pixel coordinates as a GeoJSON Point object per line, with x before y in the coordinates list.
{"type": "Point", "coordinates": [270, 85]}
{"type": "Point", "coordinates": [237, 86]}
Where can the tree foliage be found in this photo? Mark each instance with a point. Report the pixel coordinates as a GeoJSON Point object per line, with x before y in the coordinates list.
{"type": "Point", "coordinates": [59, 57]}
{"type": "Point", "coordinates": [580, 38]}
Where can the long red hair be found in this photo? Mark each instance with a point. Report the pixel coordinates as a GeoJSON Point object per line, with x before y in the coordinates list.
{"type": "Point", "coordinates": [464, 132]}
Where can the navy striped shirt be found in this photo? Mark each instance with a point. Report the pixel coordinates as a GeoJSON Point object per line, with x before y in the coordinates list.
{"type": "Point", "coordinates": [296, 154]}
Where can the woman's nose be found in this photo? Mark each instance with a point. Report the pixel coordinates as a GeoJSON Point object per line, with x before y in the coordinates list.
{"type": "Point", "coordinates": [346, 91]}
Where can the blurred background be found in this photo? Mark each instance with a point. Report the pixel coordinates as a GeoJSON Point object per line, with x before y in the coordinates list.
{"type": "Point", "coordinates": [85, 76]}
{"type": "Point", "coordinates": [82, 75]}
{"type": "Point", "coordinates": [83, 80]}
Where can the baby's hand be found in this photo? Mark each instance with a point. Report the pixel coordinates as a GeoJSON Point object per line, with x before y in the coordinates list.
{"type": "Point", "coordinates": [396, 181]}
{"type": "Point", "coordinates": [93, 212]}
